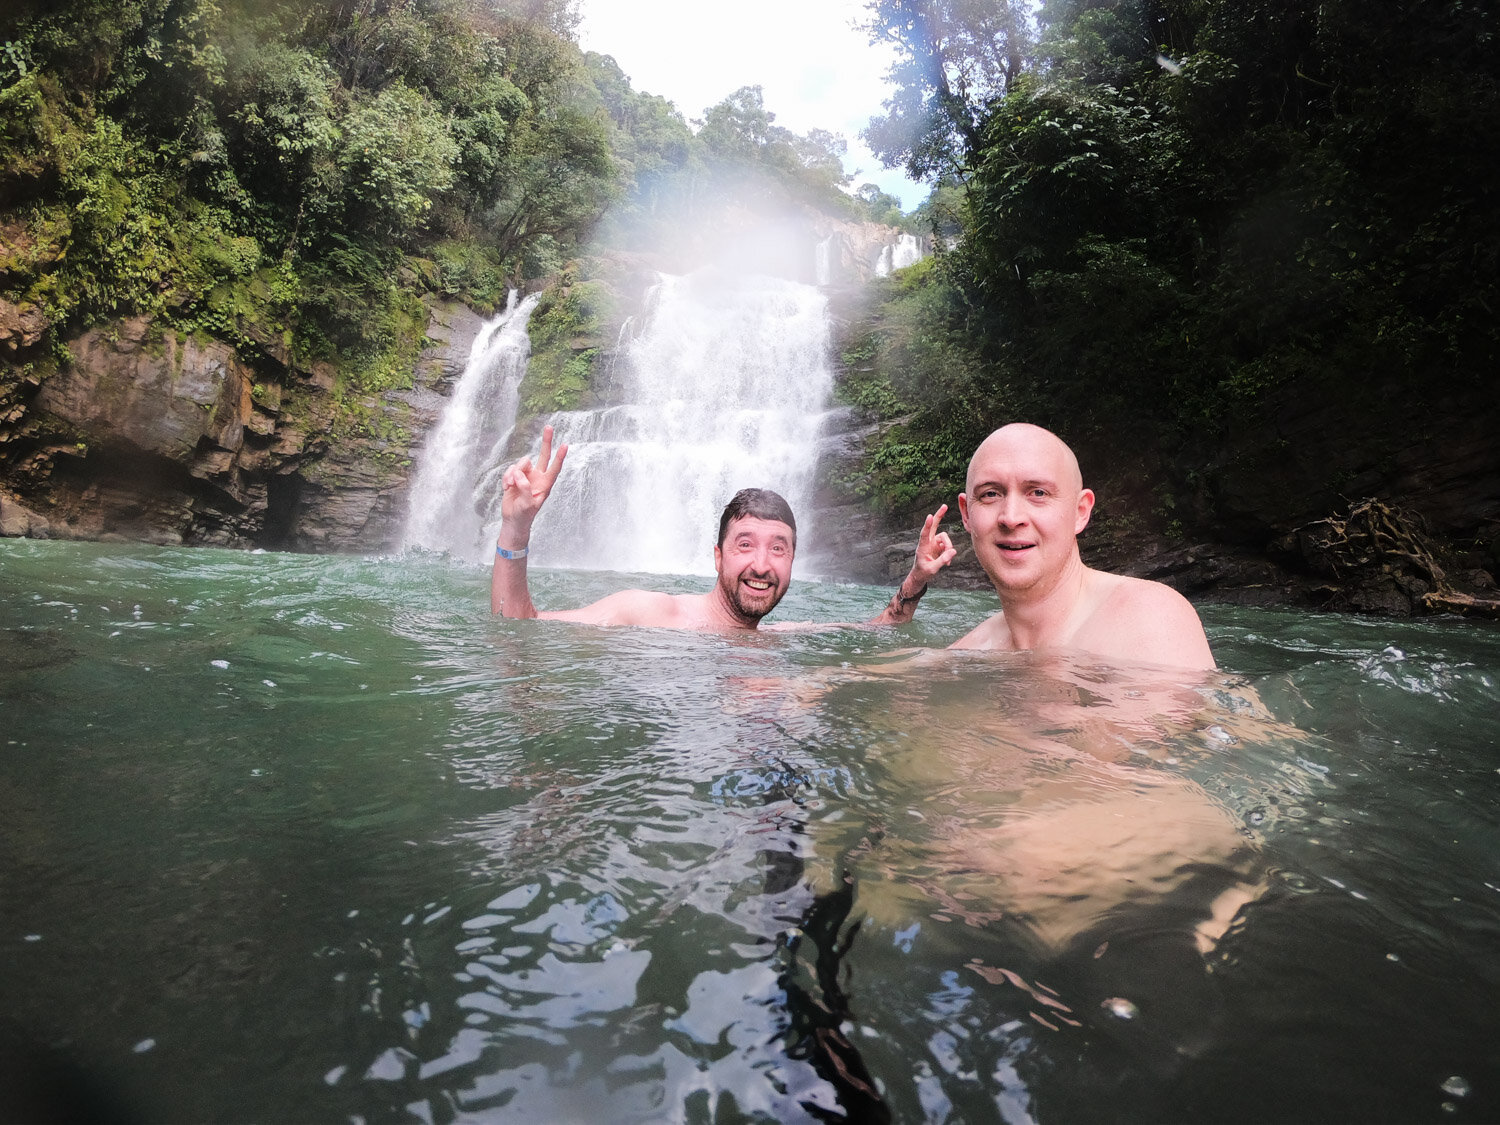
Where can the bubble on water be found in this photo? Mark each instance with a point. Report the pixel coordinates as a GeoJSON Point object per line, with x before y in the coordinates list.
{"type": "Point", "coordinates": [33, 937]}
{"type": "Point", "coordinates": [1393, 653]}
{"type": "Point", "coordinates": [1393, 956]}
{"type": "Point", "coordinates": [391, 1066]}
{"type": "Point", "coordinates": [1456, 1086]}
{"type": "Point", "coordinates": [221, 664]}
{"type": "Point", "coordinates": [269, 683]}
{"type": "Point", "coordinates": [333, 1076]}
{"type": "Point", "coordinates": [1120, 1008]}
{"type": "Point", "coordinates": [1256, 816]}
{"type": "Point", "coordinates": [143, 1046]}
{"type": "Point", "coordinates": [418, 1017]}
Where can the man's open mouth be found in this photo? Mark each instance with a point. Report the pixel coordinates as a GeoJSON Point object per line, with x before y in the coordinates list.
{"type": "Point", "coordinates": [1016, 546]}
{"type": "Point", "coordinates": [759, 584]}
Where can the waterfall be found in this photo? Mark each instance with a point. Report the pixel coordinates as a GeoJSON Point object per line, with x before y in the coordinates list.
{"type": "Point", "coordinates": [823, 262]}
{"type": "Point", "coordinates": [905, 251]}
{"type": "Point", "coordinates": [465, 450]}
{"type": "Point", "coordinates": [908, 252]}
{"type": "Point", "coordinates": [722, 388]}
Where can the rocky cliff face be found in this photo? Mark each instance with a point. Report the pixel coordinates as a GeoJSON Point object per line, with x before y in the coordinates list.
{"type": "Point", "coordinates": [150, 437]}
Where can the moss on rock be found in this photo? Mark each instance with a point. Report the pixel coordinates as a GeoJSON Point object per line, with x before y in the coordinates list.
{"type": "Point", "coordinates": [569, 330]}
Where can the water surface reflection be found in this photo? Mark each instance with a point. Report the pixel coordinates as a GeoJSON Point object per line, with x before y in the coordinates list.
{"type": "Point", "coordinates": [314, 838]}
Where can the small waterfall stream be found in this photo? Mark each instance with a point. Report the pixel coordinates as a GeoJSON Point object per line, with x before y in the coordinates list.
{"type": "Point", "coordinates": [464, 453]}
{"type": "Point", "coordinates": [723, 388]}
{"type": "Point", "coordinates": [905, 251]}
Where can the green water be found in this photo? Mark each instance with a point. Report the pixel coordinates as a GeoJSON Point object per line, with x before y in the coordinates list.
{"type": "Point", "coordinates": [316, 839]}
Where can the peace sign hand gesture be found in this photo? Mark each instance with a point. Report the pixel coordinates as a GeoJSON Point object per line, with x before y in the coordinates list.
{"type": "Point", "coordinates": [525, 487]}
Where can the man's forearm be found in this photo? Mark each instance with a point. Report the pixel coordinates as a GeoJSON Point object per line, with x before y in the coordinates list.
{"type": "Point", "coordinates": [903, 604]}
{"type": "Point", "coordinates": [509, 593]}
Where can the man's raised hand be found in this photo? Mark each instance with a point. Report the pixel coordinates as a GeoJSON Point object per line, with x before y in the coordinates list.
{"type": "Point", "coordinates": [934, 549]}
{"type": "Point", "coordinates": [526, 485]}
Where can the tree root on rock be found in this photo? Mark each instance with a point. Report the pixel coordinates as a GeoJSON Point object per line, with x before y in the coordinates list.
{"type": "Point", "coordinates": [1382, 558]}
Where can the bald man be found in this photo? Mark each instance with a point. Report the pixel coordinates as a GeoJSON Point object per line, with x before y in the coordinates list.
{"type": "Point", "coordinates": [1023, 506]}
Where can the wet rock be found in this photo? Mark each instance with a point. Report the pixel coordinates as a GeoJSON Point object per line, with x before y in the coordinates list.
{"type": "Point", "coordinates": [19, 521]}
{"type": "Point", "coordinates": [21, 326]}
{"type": "Point", "coordinates": [165, 398]}
{"type": "Point", "coordinates": [153, 438]}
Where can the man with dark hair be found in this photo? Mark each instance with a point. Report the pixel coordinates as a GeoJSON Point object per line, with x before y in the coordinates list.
{"type": "Point", "coordinates": [761, 503]}
{"type": "Point", "coordinates": [753, 561]}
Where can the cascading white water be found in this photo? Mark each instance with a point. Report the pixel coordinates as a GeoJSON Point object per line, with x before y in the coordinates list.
{"type": "Point", "coordinates": [905, 251]}
{"type": "Point", "coordinates": [908, 252]}
{"type": "Point", "coordinates": [823, 261]}
{"type": "Point", "coordinates": [463, 455]}
{"type": "Point", "coordinates": [723, 389]}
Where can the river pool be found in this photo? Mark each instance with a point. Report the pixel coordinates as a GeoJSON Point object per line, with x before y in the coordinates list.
{"type": "Point", "coordinates": [298, 838]}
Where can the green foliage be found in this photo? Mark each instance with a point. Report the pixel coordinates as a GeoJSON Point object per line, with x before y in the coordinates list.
{"type": "Point", "coordinates": [471, 271]}
{"type": "Point", "coordinates": [396, 157]}
{"type": "Point", "coordinates": [295, 179]}
{"type": "Point", "coordinates": [880, 206]}
{"type": "Point", "coordinates": [566, 330]}
{"type": "Point", "coordinates": [1169, 215]}
{"type": "Point", "coordinates": [910, 362]}
{"type": "Point", "coordinates": [742, 142]}
{"type": "Point", "coordinates": [910, 474]}
{"type": "Point", "coordinates": [952, 58]}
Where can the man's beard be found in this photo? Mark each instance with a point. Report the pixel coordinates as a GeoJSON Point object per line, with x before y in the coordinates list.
{"type": "Point", "coordinates": [761, 607]}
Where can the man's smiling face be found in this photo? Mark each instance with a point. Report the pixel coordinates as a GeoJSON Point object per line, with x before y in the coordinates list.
{"type": "Point", "coordinates": [1023, 506]}
{"type": "Point", "coordinates": [754, 564]}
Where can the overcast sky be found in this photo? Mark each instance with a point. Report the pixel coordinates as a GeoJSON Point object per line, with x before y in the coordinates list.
{"type": "Point", "coordinates": [817, 72]}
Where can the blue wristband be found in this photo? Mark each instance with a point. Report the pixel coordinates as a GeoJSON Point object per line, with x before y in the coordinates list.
{"type": "Point", "coordinates": [504, 554]}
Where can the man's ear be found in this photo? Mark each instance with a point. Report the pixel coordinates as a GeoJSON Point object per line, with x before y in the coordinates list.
{"type": "Point", "coordinates": [718, 560]}
{"type": "Point", "coordinates": [1085, 510]}
{"type": "Point", "coordinates": [963, 510]}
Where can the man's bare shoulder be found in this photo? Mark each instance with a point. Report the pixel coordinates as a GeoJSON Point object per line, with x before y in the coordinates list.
{"type": "Point", "coordinates": [989, 633]}
{"type": "Point", "coordinates": [633, 607]}
{"type": "Point", "coordinates": [1146, 622]}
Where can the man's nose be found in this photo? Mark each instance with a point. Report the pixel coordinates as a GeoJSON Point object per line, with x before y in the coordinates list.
{"type": "Point", "coordinates": [1013, 509]}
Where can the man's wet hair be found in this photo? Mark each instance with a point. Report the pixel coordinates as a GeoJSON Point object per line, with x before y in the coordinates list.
{"type": "Point", "coordinates": [762, 504]}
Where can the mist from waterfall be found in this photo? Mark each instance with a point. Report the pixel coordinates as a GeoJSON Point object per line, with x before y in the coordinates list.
{"type": "Point", "coordinates": [461, 462]}
{"type": "Point", "coordinates": [723, 388]}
